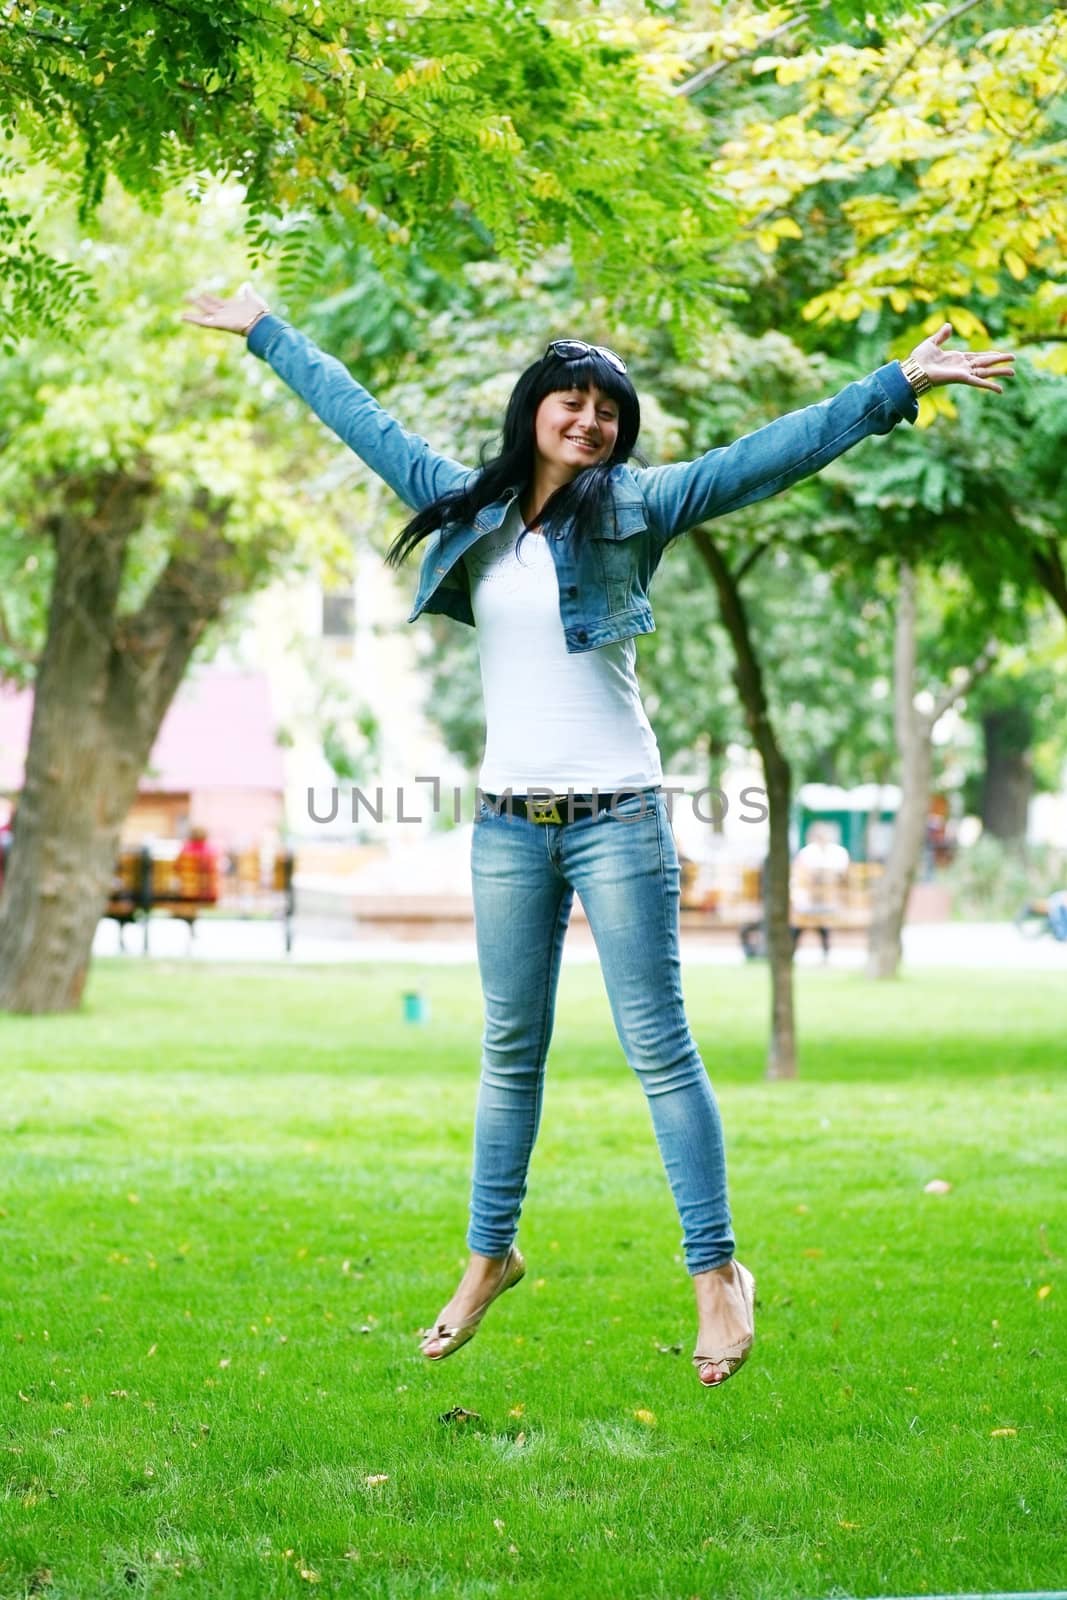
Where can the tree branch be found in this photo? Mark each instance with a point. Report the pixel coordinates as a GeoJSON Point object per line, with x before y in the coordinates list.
{"type": "Point", "coordinates": [745, 567]}
{"type": "Point", "coordinates": [8, 640]}
{"type": "Point", "coordinates": [1013, 141]}
{"type": "Point", "coordinates": [883, 94]}
{"type": "Point", "coordinates": [890, 84]}
{"type": "Point", "coordinates": [701, 79]}
{"type": "Point", "coordinates": [956, 691]}
{"type": "Point", "coordinates": [1048, 564]}
{"type": "Point", "coordinates": [151, 647]}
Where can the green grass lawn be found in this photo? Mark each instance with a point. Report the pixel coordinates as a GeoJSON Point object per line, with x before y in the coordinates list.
{"type": "Point", "coordinates": [230, 1198]}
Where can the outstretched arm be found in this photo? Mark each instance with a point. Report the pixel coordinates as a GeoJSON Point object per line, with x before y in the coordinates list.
{"type": "Point", "coordinates": [406, 462]}
{"type": "Point", "coordinates": [800, 443]}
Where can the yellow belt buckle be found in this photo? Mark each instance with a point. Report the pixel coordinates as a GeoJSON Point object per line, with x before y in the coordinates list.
{"type": "Point", "coordinates": [543, 810]}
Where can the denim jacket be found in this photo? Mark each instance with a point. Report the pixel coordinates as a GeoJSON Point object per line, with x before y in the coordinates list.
{"type": "Point", "coordinates": [603, 587]}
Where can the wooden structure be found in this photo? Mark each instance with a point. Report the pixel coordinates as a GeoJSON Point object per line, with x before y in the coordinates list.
{"type": "Point", "coordinates": [183, 886]}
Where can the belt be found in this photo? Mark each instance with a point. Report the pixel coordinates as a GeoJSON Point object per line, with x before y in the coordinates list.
{"type": "Point", "coordinates": [558, 807]}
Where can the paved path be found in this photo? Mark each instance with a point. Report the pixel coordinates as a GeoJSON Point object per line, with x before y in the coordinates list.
{"type": "Point", "coordinates": [949, 944]}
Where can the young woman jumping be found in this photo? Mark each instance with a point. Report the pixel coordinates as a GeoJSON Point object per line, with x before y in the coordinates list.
{"type": "Point", "coordinates": [549, 550]}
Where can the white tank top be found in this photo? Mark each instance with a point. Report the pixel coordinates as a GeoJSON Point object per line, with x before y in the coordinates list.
{"type": "Point", "coordinates": [553, 720]}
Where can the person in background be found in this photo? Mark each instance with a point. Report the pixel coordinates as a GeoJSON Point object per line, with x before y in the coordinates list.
{"type": "Point", "coordinates": [820, 878]}
{"type": "Point", "coordinates": [198, 867]}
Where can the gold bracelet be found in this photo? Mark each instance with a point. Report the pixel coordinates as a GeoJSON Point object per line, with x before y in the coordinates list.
{"type": "Point", "coordinates": [916, 375]}
{"type": "Point", "coordinates": [257, 318]}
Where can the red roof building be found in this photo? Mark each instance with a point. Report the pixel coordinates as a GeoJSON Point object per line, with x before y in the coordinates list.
{"type": "Point", "coordinates": [216, 763]}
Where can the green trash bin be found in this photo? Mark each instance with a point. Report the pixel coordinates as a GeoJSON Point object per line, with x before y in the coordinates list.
{"type": "Point", "coordinates": [416, 1007]}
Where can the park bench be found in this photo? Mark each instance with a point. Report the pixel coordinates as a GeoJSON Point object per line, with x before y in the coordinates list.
{"type": "Point", "coordinates": [737, 906]}
{"type": "Point", "coordinates": [183, 886]}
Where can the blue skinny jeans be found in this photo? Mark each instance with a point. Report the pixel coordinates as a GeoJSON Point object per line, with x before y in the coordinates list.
{"type": "Point", "coordinates": [624, 867]}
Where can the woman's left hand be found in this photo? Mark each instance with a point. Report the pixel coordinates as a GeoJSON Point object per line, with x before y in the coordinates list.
{"type": "Point", "coordinates": [977, 367]}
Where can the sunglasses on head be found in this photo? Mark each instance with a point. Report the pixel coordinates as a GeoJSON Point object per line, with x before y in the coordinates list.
{"type": "Point", "coordinates": [575, 349]}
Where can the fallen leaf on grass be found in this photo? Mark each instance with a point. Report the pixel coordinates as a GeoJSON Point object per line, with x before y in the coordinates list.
{"type": "Point", "coordinates": [1044, 1291]}
{"type": "Point", "coordinates": [841, 1524]}
{"type": "Point", "coordinates": [647, 1417]}
{"type": "Point", "coordinates": [517, 1411]}
{"type": "Point", "coordinates": [937, 1186]}
{"type": "Point", "coordinates": [1003, 1433]}
{"type": "Point", "coordinates": [375, 1479]}
{"type": "Point", "coordinates": [669, 1349]}
{"type": "Point", "coordinates": [309, 1574]}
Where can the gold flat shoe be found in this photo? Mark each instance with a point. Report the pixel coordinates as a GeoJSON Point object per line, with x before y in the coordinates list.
{"type": "Point", "coordinates": [732, 1356]}
{"type": "Point", "coordinates": [454, 1338]}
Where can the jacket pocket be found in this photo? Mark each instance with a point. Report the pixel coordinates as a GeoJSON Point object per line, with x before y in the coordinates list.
{"type": "Point", "coordinates": [614, 556]}
{"type": "Point", "coordinates": [622, 521]}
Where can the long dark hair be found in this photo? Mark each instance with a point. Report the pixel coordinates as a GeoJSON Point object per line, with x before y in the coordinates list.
{"type": "Point", "coordinates": [579, 502]}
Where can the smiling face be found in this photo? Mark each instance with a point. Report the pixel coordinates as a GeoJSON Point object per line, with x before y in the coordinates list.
{"type": "Point", "coordinates": [575, 428]}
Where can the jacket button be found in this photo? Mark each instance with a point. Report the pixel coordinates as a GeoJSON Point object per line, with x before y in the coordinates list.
{"type": "Point", "coordinates": [572, 591]}
{"type": "Point", "coordinates": [582, 636]}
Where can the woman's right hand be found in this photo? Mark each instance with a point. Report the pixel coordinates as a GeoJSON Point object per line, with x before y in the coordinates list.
{"type": "Point", "coordinates": [234, 315]}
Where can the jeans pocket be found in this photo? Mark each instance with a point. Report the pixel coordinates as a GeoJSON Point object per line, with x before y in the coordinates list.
{"type": "Point", "coordinates": [634, 807]}
{"type": "Point", "coordinates": [487, 812]}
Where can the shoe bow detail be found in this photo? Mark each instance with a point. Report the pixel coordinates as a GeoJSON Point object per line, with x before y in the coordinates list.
{"type": "Point", "coordinates": [454, 1338]}
{"type": "Point", "coordinates": [731, 1356]}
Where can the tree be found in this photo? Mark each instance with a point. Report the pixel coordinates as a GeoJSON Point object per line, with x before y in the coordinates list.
{"type": "Point", "coordinates": [410, 131]}
{"type": "Point", "coordinates": [139, 476]}
{"type": "Point", "coordinates": [874, 181]}
{"type": "Point", "coordinates": [1020, 710]}
{"type": "Point", "coordinates": [915, 722]}
{"type": "Point", "coordinates": [889, 169]}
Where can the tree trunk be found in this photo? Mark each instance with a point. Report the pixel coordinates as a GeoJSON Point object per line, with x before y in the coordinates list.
{"type": "Point", "coordinates": [1051, 574]}
{"type": "Point", "coordinates": [782, 1054]}
{"type": "Point", "coordinates": [102, 689]}
{"type": "Point", "coordinates": [914, 735]}
{"type": "Point", "coordinates": [913, 731]}
{"type": "Point", "coordinates": [78, 789]}
{"type": "Point", "coordinates": [1008, 781]}
{"type": "Point", "coordinates": [782, 1051]}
